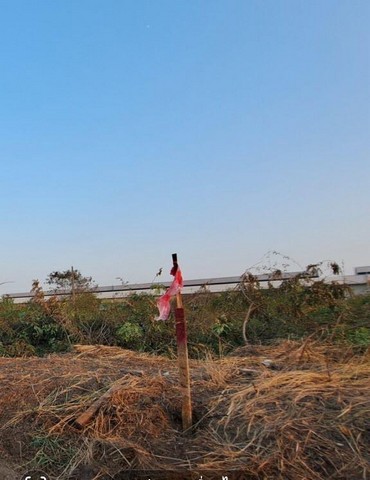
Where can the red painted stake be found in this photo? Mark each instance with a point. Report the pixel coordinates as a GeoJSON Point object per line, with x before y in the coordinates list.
{"type": "Point", "coordinates": [182, 355]}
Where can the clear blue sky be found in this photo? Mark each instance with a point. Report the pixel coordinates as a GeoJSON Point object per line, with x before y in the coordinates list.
{"type": "Point", "coordinates": [215, 129]}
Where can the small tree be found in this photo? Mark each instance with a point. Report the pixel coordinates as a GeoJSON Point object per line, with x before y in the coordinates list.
{"type": "Point", "coordinates": [71, 279]}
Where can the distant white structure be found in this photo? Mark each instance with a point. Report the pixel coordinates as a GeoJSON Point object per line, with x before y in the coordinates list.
{"type": "Point", "coordinates": [362, 270]}
{"type": "Point", "coordinates": [359, 282]}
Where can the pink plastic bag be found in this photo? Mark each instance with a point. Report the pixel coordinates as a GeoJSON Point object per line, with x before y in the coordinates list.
{"type": "Point", "coordinates": [164, 302]}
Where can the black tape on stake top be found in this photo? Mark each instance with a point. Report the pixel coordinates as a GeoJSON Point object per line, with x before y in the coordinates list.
{"type": "Point", "coordinates": [175, 264]}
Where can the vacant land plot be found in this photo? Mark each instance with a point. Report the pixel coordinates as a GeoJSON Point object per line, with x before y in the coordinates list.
{"type": "Point", "coordinates": [303, 414]}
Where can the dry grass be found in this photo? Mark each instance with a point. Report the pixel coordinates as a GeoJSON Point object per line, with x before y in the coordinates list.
{"type": "Point", "coordinates": [300, 423]}
{"type": "Point", "coordinates": [306, 417]}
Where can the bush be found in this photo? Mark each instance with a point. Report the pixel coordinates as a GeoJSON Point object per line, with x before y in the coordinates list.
{"type": "Point", "coordinates": [30, 329]}
{"type": "Point", "coordinates": [130, 334]}
{"type": "Point", "coordinates": [216, 321]}
{"type": "Point", "coordinates": [360, 337]}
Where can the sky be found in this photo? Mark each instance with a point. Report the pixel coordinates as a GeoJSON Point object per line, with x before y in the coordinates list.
{"type": "Point", "coordinates": [216, 129]}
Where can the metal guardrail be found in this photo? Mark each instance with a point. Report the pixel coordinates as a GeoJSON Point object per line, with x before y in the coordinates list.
{"type": "Point", "coordinates": [139, 287]}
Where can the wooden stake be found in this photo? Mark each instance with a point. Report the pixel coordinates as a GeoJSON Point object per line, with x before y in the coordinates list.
{"type": "Point", "coordinates": [182, 355]}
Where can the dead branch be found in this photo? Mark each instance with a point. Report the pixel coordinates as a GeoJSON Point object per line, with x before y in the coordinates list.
{"type": "Point", "coordinates": [87, 416]}
{"type": "Point", "coordinates": [251, 309]}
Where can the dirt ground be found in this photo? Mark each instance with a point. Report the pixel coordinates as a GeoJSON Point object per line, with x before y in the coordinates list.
{"type": "Point", "coordinates": [289, 411]}
{"type": "Point", "coordinates": [7, 474]}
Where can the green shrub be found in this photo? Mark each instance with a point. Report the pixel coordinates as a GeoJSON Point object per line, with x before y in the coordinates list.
{"type": "Point", "coordinates": [130, 334]}
{"type": "Point", "coordinates": [360, 337]}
